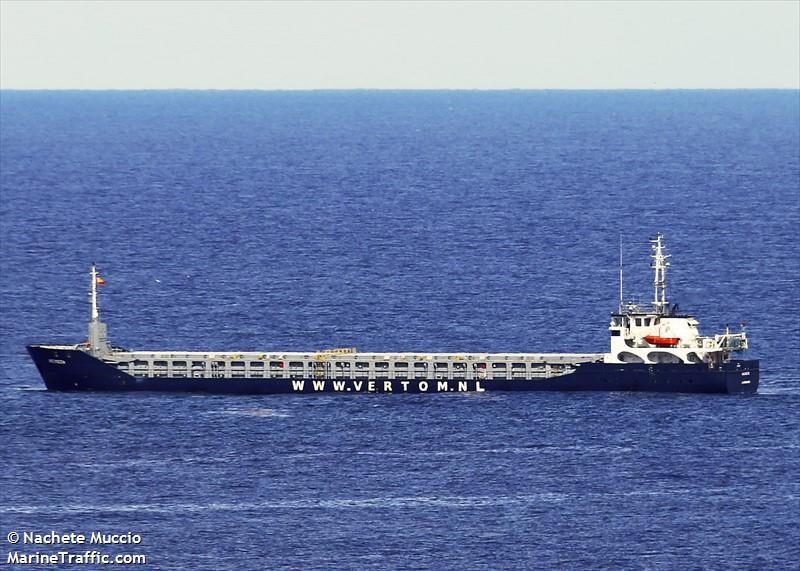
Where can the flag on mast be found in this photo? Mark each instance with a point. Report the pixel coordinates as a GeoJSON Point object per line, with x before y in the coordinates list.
{"type": "Point", "coordinates": [100, 281]}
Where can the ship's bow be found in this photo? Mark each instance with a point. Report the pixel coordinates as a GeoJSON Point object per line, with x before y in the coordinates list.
{"type": "Point", "coordinates": [62, 368]}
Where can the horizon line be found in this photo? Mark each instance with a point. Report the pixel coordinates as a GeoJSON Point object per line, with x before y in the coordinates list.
{"type": "Point", "coordinates": [313, 89]}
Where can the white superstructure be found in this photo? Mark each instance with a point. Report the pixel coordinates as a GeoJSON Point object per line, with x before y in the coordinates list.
{"type": "Point", "coordinates": [660, 334]}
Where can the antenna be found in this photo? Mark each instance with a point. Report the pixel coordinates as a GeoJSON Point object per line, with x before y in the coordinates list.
{"type": "Point", "coordinates": [621, 302]}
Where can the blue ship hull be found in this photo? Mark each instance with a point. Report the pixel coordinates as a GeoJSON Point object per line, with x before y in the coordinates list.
{"type": "Point", "coordinates": [76, 370]}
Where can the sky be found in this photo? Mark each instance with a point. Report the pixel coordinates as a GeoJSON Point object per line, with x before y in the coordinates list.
{"type": "Point", "coordinates": [399, 45]}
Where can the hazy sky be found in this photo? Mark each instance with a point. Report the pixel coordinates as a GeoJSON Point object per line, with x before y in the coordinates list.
{"type": "Point", "coordinates": [484, 45]}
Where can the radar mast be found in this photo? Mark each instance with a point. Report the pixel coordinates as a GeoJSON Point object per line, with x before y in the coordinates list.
{"type": "Point", "coordinates": [621, 298]}
{"type": "Point", "coordinates": [659, 265]}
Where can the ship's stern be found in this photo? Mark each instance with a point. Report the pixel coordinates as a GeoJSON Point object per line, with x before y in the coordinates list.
{"type": "Point", "coordinates": [742, 377]}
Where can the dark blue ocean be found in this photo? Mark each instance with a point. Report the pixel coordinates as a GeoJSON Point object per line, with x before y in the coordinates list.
{"type": "Point", "coordinates": [430, 221]}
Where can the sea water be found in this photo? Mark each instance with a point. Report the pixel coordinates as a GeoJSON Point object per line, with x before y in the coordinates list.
{"type": "Point", "coordinates": [400, 221]}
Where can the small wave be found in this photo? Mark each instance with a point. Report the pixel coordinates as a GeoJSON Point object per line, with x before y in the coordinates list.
{"type": "Point", "coordinates": [336, 503]}
{"type": "Point", "coordinates": [431, 501]}
{"type": "Point", "coordinates": [532, 449]}
{"type": "Point", "coordinates": [135, 462]}
{"type": "Point", "coordinates": [778, 391]}
{"type": "Point", "coordinates": [256, 412]}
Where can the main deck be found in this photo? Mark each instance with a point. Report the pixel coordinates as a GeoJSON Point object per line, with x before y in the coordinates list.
{"type": "Point", "coordinates": [346, 364]}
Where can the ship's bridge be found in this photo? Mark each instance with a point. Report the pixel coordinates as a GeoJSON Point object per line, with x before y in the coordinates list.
{"type": "Point", "coordinates": [642, 337]}
{"type": "Point", "coordinates": [659, 334]}
{"type": "Point", "coordinates": [655, 329]}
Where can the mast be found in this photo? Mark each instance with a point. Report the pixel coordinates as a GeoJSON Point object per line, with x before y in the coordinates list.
{"type": "Point", "coordinates": [621, 302]}
{"type": "Point", "coordinates": [98, 331]}
{"type": "Point", "coordinates": [93, 293]}
{"type": "Point", "coordinates": [659, 265]}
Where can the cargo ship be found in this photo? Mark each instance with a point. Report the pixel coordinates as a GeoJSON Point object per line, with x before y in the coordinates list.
{"type": "Point", "coordinates": [652, 348]}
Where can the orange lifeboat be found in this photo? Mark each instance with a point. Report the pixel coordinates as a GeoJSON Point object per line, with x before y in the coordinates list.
{"type": "Point", "coordinates": [662, 341]}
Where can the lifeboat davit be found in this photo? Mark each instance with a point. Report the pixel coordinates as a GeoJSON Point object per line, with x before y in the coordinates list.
{"type": "Point", "coordinates": [662, 341]}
